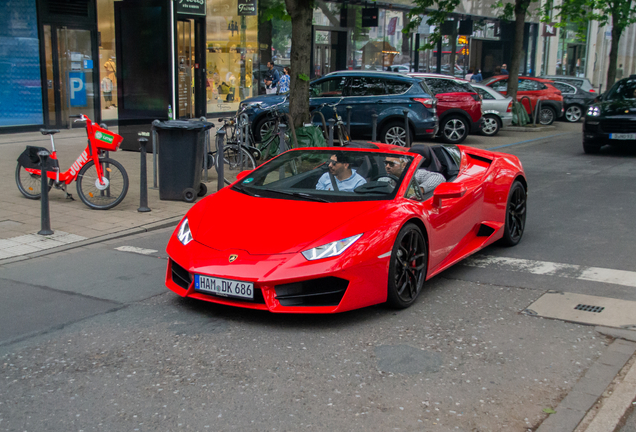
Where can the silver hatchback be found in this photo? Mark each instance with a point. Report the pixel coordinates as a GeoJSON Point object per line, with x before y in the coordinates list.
{"type": "Point", "coordinates": [496, 108]}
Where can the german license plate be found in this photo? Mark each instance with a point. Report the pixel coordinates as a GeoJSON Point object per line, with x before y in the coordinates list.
{"type": "Point", "coordinates": [224, 287]}
{"type": "Point", "coordinates": [623, 136]}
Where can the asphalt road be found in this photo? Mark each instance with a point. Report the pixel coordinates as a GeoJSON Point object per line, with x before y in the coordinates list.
{"type": "Point", "coordinates": [91, 340]}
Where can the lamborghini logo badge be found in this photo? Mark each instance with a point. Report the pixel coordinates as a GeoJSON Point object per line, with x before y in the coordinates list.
{"type": "Point", "coordinates": [233, 258]}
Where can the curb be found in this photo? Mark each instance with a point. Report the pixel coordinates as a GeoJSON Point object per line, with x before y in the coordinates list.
{"type": "Point", "coordinates": [574, 408]}
{"type": "Point", "coordinates": [165, 223]}
{"type": "Point", "coordinates": [529, 128]}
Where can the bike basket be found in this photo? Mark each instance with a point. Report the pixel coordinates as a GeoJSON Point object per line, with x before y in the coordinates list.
{"type": "Point", "coordinates": [105, 139]}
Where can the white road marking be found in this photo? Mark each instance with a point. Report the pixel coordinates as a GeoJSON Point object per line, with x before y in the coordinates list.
{"type": "Point", "coordinates": [595, 274]}
{"type": "Point", "coordinates": [134, 249]}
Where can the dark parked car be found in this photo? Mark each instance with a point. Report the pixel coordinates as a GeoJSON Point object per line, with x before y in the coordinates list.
{"type": "Point", "coordinates": [575, 100]}
{"type": "Point", "coordinates": [612, 120]}
{"type": "Point", "coordinates": [386, 94]}
{"type": "Point", "coordinates": [458, 106]}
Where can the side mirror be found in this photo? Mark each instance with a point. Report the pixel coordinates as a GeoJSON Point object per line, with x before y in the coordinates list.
{"type": "Point", "coordinates": [447, 190]}
{"type": "Point", "coordinates": [243, 174]}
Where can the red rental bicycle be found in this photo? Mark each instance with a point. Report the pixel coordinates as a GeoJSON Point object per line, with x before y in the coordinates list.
{"type": "Point", "coordinates": [102, 182]}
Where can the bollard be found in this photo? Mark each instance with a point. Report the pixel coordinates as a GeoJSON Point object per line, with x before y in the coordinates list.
{"type": "Point", "coordinates": [143, 180]}
{"type": "Point", "coordinates": [537, 112]}
{"type": "Point", "coordinates": [46, 219]}
{"type": "Point", "coordinates": [349, 108]}
{"type": "Point", "coordinates": [332, 123]}
{"type": "Point", "coordinates": [220, 137]}
{"type": "Point", "coordinates": [282, 143]}
{"type": "Point", "coordinates": [374, 130]}
{"type": "Point", "coordinates": [407, 129]}
{"type": "Point", "coordinates": [154, 154]}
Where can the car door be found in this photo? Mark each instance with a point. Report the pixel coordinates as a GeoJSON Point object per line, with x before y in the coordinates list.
{"type": "Point", "coordinates": [327, 91]}
{"type": "Point", "coordinates": [454, 220]}
{"type": "Point", "coordinates": [527, 92]}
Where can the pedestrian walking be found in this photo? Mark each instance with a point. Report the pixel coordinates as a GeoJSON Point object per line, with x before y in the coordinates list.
{"type": "Point", "coordinates": [477, 77]}
{"type": "Point", "coordinates": [469, 75]}
{"type": "Point", "coordinates": [504, 69]}
{"type": "Point", "coordinates": [283, 83]}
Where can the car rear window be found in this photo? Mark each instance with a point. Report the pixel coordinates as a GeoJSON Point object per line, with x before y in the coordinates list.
{"type": "Point", "coordinates": [440, 85]}
{"type": "Point", "coordinates": [564, 88]}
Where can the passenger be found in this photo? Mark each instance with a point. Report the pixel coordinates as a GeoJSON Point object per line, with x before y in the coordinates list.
{"type": "Point", "coordinates": [426, 180]}
{"type": "Point", "coordinates": [341, 174]}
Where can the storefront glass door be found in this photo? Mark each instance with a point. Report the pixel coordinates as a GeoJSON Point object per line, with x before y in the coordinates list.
{"type": "Point", "coordinates": [185, 46]}
{"type": "Point", "coordinates": [69, 68]}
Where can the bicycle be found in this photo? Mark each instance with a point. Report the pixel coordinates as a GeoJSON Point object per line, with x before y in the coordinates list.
{"type": "Point", "coordinates": [339, 126]}
{"type": "Point", "coordinates": [102, 182]}
{"type": "Point", "coordinates": [269, 132]}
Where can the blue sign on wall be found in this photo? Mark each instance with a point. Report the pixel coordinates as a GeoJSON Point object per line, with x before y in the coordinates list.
{"type": "Point", "coordinates": [77, 88]}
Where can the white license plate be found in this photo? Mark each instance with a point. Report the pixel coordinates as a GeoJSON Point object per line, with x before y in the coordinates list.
{"type": "Point", "coordinates": [224, 287]}
{"type": "Point", "coordinates": [623, 136]}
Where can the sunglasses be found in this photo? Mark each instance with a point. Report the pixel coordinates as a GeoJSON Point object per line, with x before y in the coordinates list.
{"type": "Point", "coordinates": [390, 163]}
{"type": "Point", "coordinates": [333, 162]}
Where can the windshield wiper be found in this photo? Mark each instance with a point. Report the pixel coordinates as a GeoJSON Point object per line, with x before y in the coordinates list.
{"type": "Point", "coordinates": [244, 190]}
{"type": "Point", "coordinates": [298, 195]}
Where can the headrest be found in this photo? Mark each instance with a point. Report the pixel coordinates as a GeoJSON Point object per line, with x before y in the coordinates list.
{"type": "Point", "coordinates": [431, 163]}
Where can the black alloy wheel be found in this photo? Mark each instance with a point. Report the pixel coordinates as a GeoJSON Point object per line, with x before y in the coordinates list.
{"type": "Point", "coordinates": [547, 115]}
{"type": "Point", "coordinates": [515, 214]}
{"type": "Point", "coordinates": [407, 270]}
{"type": "Point", "coordinates": [454, 130]}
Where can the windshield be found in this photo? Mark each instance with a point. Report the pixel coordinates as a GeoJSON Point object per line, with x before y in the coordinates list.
{"type": "Point", "coordinates": [622, 90]}
{"type": "Point", "coordinates": [336, 175]}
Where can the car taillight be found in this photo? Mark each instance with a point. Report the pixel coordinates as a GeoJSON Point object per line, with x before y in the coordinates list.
{"type": "Point", "coordinates": [509, 107]}
{"type": "Point", "coordinates": [476, 96]}
{"type": "Point", "coordinates": [427, 102]}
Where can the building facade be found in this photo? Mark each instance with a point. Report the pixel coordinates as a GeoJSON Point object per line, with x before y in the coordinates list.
{"type": "Point", "coordinates": [130, 61]}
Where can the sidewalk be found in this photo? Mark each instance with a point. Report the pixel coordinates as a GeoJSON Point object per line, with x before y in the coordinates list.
{"type": "Point", "coordinates": [73, 222]}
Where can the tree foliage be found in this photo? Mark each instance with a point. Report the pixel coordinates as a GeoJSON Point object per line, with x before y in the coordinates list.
{"type": "Point", "coordinates": [439, 10]}
{"type": "Point", "coordinates": [620, 14]}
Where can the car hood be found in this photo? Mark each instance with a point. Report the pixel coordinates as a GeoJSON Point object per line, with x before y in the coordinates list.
{"type": "Point", "coordinates": [266, 226]}
{"type": "Point", "coordinates": [610, 108]}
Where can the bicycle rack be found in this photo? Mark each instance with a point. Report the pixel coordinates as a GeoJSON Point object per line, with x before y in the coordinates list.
{"type": "Point", "coordinates": [537, 111]}
{"type": "Point", "coordinates": [324, 123]}
{"type": "Point", "coordinates": [529, 103]}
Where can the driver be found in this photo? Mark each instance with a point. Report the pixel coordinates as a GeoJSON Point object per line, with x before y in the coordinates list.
{"type": "Point", "coordinates": [340, 174]}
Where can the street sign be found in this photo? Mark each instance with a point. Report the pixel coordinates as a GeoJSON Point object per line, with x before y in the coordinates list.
{"type": "Point", "coordinates": [549, 30]}
{"type": "Point", "coordinates": [77, 88]}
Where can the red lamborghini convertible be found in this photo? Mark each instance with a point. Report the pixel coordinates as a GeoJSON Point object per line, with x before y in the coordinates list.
{"type": "Point", "coordinates": [325, 230]}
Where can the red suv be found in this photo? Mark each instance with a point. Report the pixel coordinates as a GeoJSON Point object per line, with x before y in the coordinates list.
{"type": "Point", "coordinates": [458, 106]}
{"type": "Point", "coordinates": [534, 89]}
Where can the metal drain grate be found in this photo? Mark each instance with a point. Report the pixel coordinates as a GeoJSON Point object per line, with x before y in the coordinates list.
{"type": "Point", "coordinates": [588, 308]}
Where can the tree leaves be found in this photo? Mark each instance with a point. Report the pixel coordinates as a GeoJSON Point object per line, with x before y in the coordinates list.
{"type": "Point", "coordinates": [303, 77]}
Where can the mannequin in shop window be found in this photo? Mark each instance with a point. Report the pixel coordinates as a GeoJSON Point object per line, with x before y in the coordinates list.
{"type": "Point", "coordinates": [109, 82]}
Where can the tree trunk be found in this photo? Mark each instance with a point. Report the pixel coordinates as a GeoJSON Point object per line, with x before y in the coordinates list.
{"type": "Point", "coordinates": [613, 57]}
{"type": "Point", "coordinates": [521, 6]}
{"type": "Point", "coordinates": [301, 12]}
{"type": "Point", "coordinates": [264, 34]}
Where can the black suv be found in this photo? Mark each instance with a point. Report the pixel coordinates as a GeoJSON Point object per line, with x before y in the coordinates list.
{"type": "Point", "coordinates": [612, 120]}
{"type": "Point", "coordinates": [386, 94]}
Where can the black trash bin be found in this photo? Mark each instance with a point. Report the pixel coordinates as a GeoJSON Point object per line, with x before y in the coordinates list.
{"type": "Point", "coordinates": [181, 147]}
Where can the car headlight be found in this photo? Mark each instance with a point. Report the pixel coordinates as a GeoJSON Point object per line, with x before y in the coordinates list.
{"type": "Point", "coordinates": [183, 233]}
{"type": "Point", "coordinates": [594, 111]}
{"type": "Point", "coordinates": [330, 249]}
